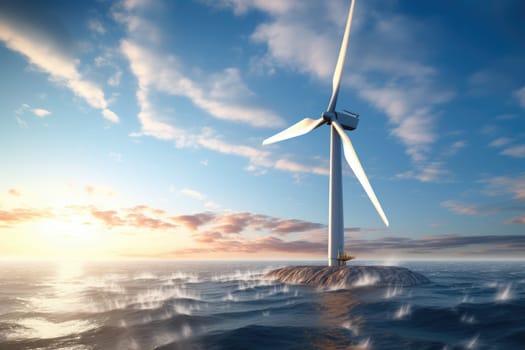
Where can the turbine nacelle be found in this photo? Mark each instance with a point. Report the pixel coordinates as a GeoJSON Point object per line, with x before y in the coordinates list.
{"type": "Point", "coordinates": [348, 120]}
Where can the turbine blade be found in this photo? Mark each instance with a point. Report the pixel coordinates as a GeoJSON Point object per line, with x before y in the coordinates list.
{"type": "Point", "coordinates": [303, 127]}
{"type": "Point", "coordinates": [357, 168]}
{"type": "Point", "coordinates": [336, 81]}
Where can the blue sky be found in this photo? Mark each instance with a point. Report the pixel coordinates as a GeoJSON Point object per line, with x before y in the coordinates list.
{"type": "Point", "coordinates": [134, 128]}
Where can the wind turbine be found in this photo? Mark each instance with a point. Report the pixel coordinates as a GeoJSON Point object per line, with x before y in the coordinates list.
{"type": "Point", "coordinates": [339, 121]}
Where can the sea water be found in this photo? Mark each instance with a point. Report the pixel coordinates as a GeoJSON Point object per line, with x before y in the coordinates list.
{"type": "Point", "coordinates": [231, 305]}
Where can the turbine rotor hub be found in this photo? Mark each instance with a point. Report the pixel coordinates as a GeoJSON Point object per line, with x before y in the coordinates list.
{"type": "Point", "coordinates": [329, 117]}
{"type": "Point", "coordinates": [348, 120]}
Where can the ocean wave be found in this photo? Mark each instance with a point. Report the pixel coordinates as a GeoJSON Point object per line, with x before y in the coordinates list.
{"type": "Point", "coordinates": [392, 292]}
{"type": "Point", "coordinates": [402, 312]}
{"type": "Point", "coordinates": [504, 294]}
{"type": "Point", "coordinates": [238, 275]}
{"type": "Point", "coordinates": [43, 328]}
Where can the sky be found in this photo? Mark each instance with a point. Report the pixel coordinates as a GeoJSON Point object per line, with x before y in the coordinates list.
{"type": "Point", "coordinates": [133, 129]}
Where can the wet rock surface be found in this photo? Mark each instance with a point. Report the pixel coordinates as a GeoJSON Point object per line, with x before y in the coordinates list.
{"type": "Point", "coordinates": [347, 276]}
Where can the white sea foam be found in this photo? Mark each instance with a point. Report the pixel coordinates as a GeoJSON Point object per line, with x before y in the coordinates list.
{"type": "Point", "coordinates": [364, 344]}
{"type": "Point", "coordinates": [186, 330]}
{"type": "Point", "coordinates": [504, 293]}
{"type": "Point", "coordinates": [184, 309]}
{"type": "Point", "coordinates": [393, 292]}
{"type": "Point", "coordinates": [279, 289]}
{"type": "Point", "coordinates": [249, 284]}
{"type": "Point", "coordinates": [351, 326]}
{"type": "Point", "coordinates": [153, 298]}
{"type": "Point", "coordinates": [366, 280]}
{"type": "Point", "coordinates": [239, 275]}
{"type": "Point", "coordinates": [230, 297]}
{"type": "Point", "coordinates": [467, 299]}
{"type": "Point", "coordinates": [334, 286]}
{"type": "Point", "coordinates": [165, 338]}
{"type": "Point", "coordinates": [468, 319]}
{"type": "Point", "coordinates": [402, 312]}
{"type": "Point", "coordinates": [472, 343]}
{"type": "Point", "coordinates": [186, 277]}
{"type": "Point", "coordinates": [492, 284]}
{"type": "Point", "coordinates": [145, 276]}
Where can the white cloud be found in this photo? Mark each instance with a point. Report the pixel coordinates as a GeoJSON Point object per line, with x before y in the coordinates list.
{"type": "Point", "coordinates": [520, 95]}
{"type": "Point", "coordinates": [155, 71]}
{"type": "Point", "coordinates": [460, 208]}
{"type": "Point", "coordinates": [114, 80]}
{"type": "Point", "coordinates": [211, 205]}
{"type": "Point", "coordinates": [240, 7]}
{"type": "Point", "coordinates": [61, 68]}
{"type": "Point", "coordinates": [192, 193]}
{"type": "Point", "coordinates": [110, 115]}
{"type": "Point", "coordinates": [515, 151]}
{"type": "Point", "coordinates": [427, 172]}
{"type": "Point", "coordinates": [294, 45]}
{"type": "Point", "coordinates": [107, 59]}
{"type": "Point", "coordinates": [500, 142]}
{"type": "Point", "coordinates": [455, 147]}
{"type": "Point", "coordinates": [96, 26]}
{"type": "Point", "coordinates": [208, 204]}
{"type": "Point", "coordinates": [40, 112]}
{"type": "Point", "coordinates": [21, 122]}
{"type": "Point", "coordinates": [499, 185]}
{"type": "Point", "coordinates": [219, 96]}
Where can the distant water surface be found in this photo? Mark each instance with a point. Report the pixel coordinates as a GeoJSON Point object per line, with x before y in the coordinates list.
{"type": "Point", "coordinates": [230, 305]}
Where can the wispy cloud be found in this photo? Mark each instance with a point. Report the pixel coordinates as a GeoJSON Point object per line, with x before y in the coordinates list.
{"type": "Point", "coordinates": [220, 98]}
{"type": "Point", "coordinates": [499, 186]}
{"type": "Point", "coordinates": [241, 233]}
{"type": "Point", "coordinates": [96, 26]}
{"type": "Point", "coordinates": [222, 94]}
{"type": "Point", "coordinates": [215, 243]}
{"type": "Point", "coordinates": [14, 192]}
{"type": "Point", "coordinates": [192, 194]}
{"type": "Point", "coordinates": [518, 220]}
{"type": "Point", "coordinates": [154, 72]}
{"type": "Point", "coordinates": [508, 149]}
{"type": "Point", "coordinates": [47, 55]}
{"type": "Point", "coordinates": [520, 96]}
{"type": "Point", "coordinates": [427, 172]}
{"type": "Point", "coordinates": [504, 185]}
{"type": "Point", "coordinates": [460, 208]}
{"type": "Point", "coordinates": [14, 216]}
{"type": "Point", "coordinates": [453, 244]}
{"type": "Point", "coordinates": [517, 151]}
{"type": "Point", "coordinates": [139, 217]}
{"type": "Point", "coordinates": [107, 59]}
{"type": "Point", "coordinates": [40, 112]}
{"type": "Point", "coordinates": [500, 142]}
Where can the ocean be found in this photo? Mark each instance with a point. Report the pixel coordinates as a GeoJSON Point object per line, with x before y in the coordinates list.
{"type": "Point", "coordinates": [230, 305]}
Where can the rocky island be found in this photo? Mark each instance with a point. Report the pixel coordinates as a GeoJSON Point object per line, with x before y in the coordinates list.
{"type": "Point", "coordinates": [347, 276]}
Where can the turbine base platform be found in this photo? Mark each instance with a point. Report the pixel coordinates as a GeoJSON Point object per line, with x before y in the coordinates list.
{"type": "Point", "coordinates": [343, 258]}
{"type": "Point", "coordinates": [350, 276]}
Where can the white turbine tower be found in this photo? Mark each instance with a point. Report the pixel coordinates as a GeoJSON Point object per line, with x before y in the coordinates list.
{"type": "Point", "coordinates": [338, 122]}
